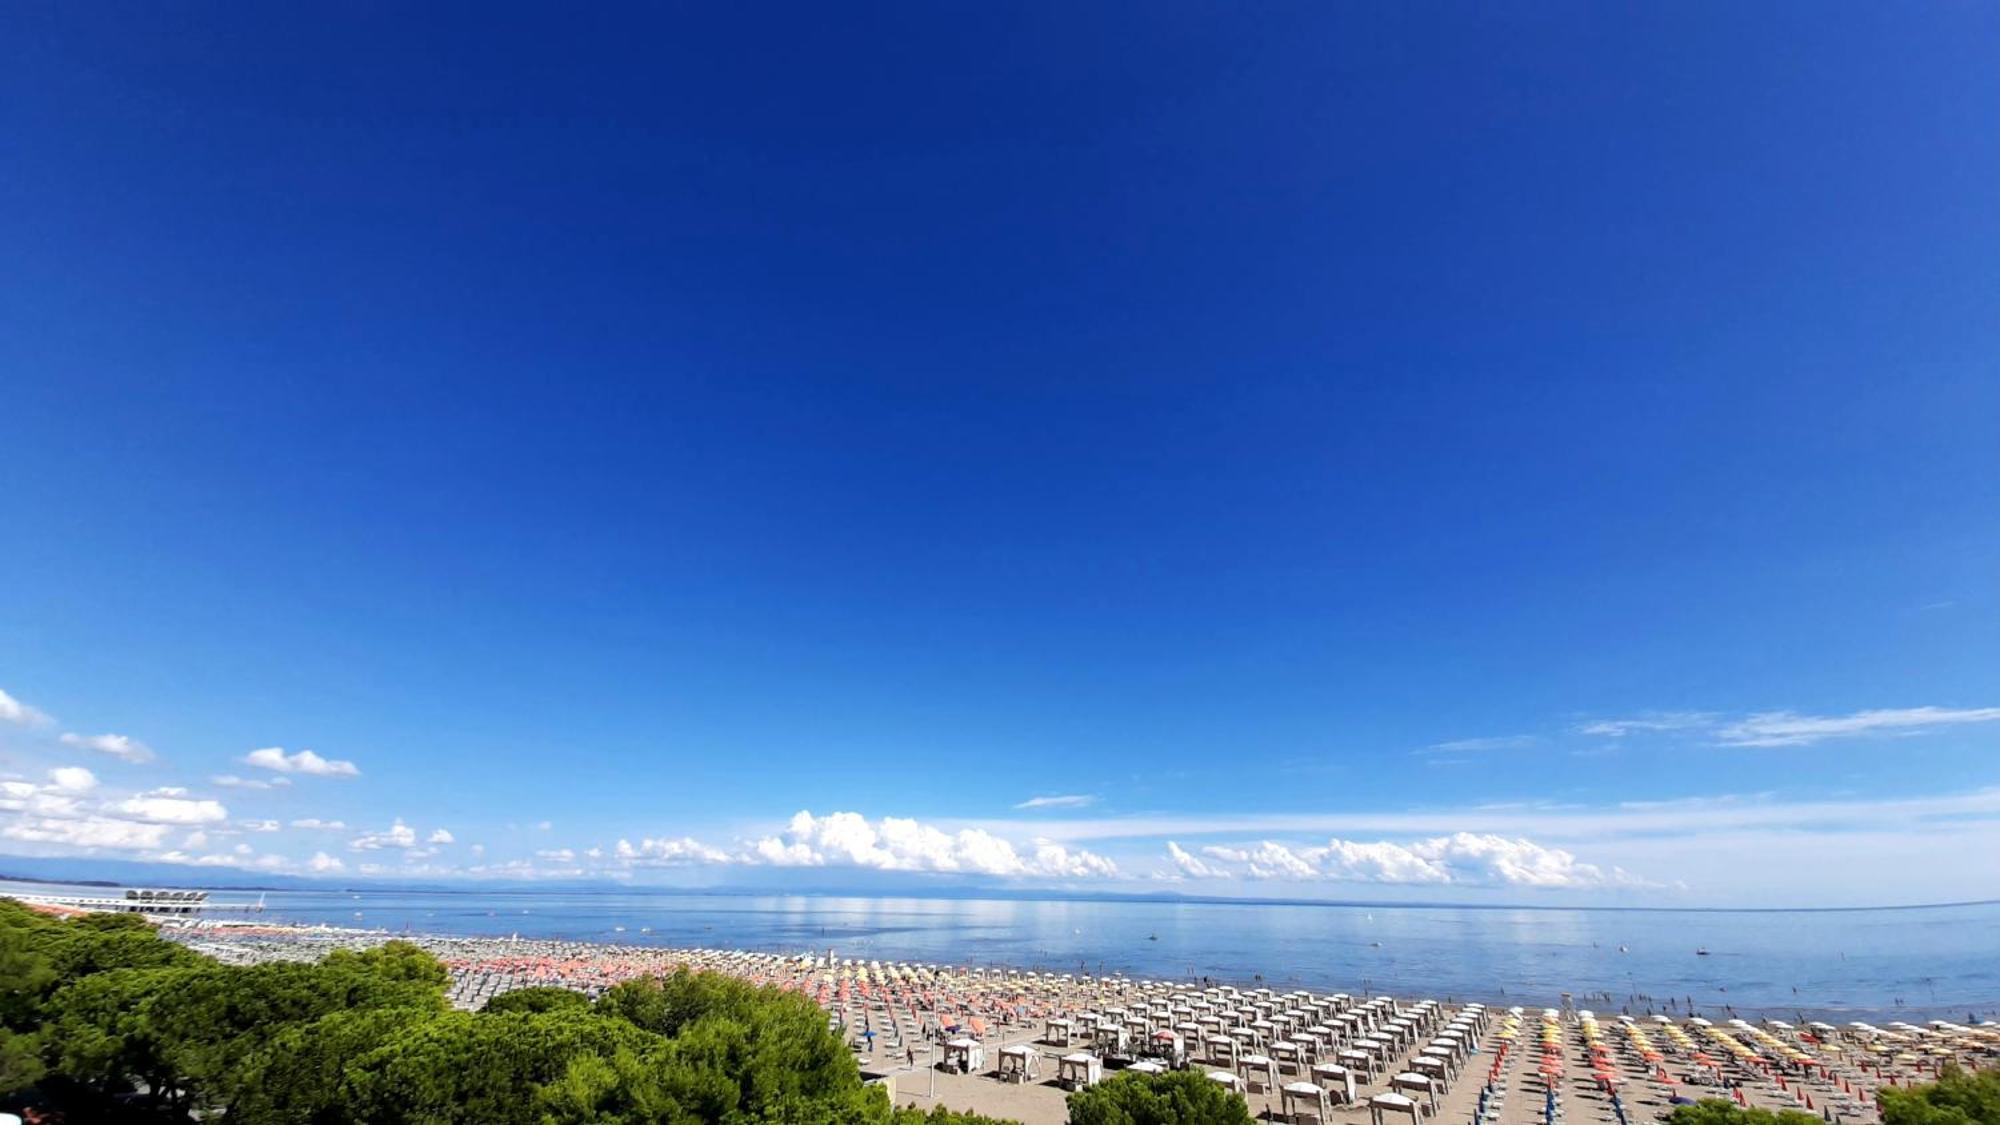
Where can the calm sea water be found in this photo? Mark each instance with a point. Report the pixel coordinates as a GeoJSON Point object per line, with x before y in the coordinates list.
{"type": "Point", "coordinates": [1942, 961]}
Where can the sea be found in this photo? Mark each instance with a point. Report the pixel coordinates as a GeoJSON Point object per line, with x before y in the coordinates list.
{"type": "Point", "coordinates": [1900, 963]}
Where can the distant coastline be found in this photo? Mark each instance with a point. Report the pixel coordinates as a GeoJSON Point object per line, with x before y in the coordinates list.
{"type": "Point", "coordinates": [944, 892]}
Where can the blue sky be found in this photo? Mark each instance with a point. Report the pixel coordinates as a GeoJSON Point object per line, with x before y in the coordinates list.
{"type": "Point", "coordinates": [1544, 453]}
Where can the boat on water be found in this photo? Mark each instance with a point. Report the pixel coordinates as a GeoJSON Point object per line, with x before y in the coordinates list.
{"type": "Point", "coordinates": [1701, 951]}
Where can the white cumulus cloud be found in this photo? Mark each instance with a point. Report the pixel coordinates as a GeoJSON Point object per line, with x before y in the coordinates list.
{"type": "Point", "coordinates": [171, 806]}
{"type": "Point", "coordinates": [439, 836]}
{"type": "Point", "coordinates": [302, 762]}
{"type": "Point", "coordinates": [1191, 866]}
{"type": "Point", "coordinates": [847, 839]}
{"type": "Point", "coordinates": [87, 832]}
{"type": "Point", "coordinates": [323, 862]}
{"type": "Point", "coordinates": [681, 852]}
{"type": "Point", "coordinates": [397, 835]}
{"type": "Point", "coordinates": [1459, 859]}
{"type": "Point", "coordinates": [315, 822]}
{"type": "Point", "coordinates": [73, 779]}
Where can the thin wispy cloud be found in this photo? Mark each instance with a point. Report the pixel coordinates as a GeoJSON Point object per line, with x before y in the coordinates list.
{"type": "Point", "coordinates": [1067, 801]}
{"type": "Point", "coordinates": [1651, 723]}
{"type": "Point", "coordinates": [1481, 745]}
{"type": "Point", "coordinates": [1789, 728]}
{"type": "Point", "coordinates": [14, 711]}
{"type": "Point", "coordinates": [231, 781]}
{"type": "Point", "coordinates": [117, 745]}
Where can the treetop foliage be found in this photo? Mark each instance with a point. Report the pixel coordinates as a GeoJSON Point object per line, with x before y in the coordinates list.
{"type": "Point", "coordinates": [104, 1019]}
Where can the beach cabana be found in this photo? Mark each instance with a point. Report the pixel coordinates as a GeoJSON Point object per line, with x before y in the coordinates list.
{"type": "Point", "coordinates": [1019, 1063]}
{"type": "Point", "coordinates": [1258, 1070]}
{"type": "Point", "coordinates": [1226, 1080]}
{"type": "Point", "coordinates": [1361, 1062]}
{"type": "Point", "coordinates": [1416, 1085]}
{"type": "Point", "coordinates": [1112, 1039]}
{"type": "Point", "coordinates": [1079, 1070]}
{"type": "Point", "coordinates": [1382, 1107]}
{"type": "Point", "coordinates": [1435, 1069]}
{"type": "Point", "coordinates": [1056, 1033]}
{"type": "Point", "coordinates": [1339, 1080]}
{"type": "Point", "coordinates": [1305, 1099]}
{"type": "Point", "coordinates": [966, 1056]}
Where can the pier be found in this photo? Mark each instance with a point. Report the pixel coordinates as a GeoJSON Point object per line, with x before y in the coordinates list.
{"type": "Point", "coordinates": [148, 902]}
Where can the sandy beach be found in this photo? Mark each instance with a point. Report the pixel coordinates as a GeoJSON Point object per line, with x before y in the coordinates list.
{"type": "Point", "coordinates": [1012, 1043]}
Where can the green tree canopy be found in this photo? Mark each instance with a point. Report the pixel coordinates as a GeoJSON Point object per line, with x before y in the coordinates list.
{"type": "Point", "coordinates": [395, 961]}
{"type": "Point", "coordinates": [1720, 1111]}
{"type": "Point", "coordinates": [1956, 1098]}
{"type": "Point", "coordinates": [94, 1010]}
{"type": "Point", "coordinates": [772, 1049]}
{"type": "Point", "coordinates": [100, 1033]}
{"type": "Point", "coordinates": [300, 1076]}
{"type": "Point", "coordinates": [217, 1016]}
{"type": "Point", "coordinates": [478, 1068]}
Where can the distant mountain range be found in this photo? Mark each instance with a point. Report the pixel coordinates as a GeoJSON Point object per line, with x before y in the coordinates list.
{"type": "Point", "coordinates": [85, 871]}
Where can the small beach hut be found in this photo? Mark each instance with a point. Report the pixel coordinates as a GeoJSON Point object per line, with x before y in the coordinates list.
{"type": "Point", "coordinates": [1112, 1039]}
{"type": "Point", "coordinates": [1019, 1063]}
{"type": "Point", "coordinates": [966, 1056]}
{"type": "Point", "coordinates": [1079, 1070]}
